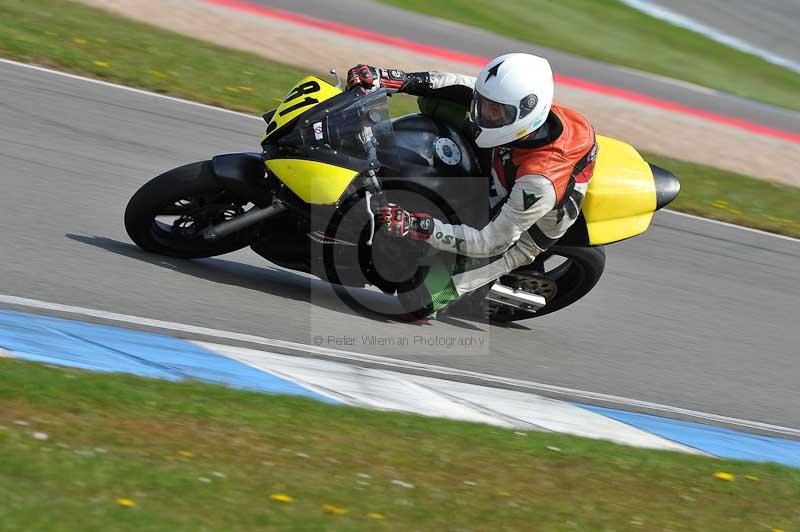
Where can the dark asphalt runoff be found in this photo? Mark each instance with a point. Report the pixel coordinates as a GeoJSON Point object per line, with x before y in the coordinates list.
{"type": "Point", "coordinates": [692, 314]}
{"type": "Point", "coordinates": [440, 33]}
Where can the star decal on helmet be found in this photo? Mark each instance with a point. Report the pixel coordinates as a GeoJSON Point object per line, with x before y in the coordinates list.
{"type": "Point", "coordinates": [493, 71]}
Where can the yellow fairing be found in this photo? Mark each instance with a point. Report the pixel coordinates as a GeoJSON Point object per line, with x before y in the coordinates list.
{"type": "Point", "coordinates": [621, 198]}
{"type": "Point", "coordinates": [314, 182]}
{"type": "Point", "coordinates": [306, 94]}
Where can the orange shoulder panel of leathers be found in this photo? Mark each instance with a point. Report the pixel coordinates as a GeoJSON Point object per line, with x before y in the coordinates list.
{"type": "Point", "coordinates": [556, 161]}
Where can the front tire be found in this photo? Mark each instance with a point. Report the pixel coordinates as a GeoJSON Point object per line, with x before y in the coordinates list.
{"type": "Point", "coordinates": [191, 196]}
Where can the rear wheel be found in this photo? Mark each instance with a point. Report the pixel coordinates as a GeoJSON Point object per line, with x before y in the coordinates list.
{"type": "Point", "coordinates": [169, 214]}
{"type": "Point", "coordinates": [562, 275]}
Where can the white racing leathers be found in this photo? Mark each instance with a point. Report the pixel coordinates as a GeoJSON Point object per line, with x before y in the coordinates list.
{"type": "Point", "coordinates": [530, 204]}
{"type": "Point", "coordinates": [538, 186]}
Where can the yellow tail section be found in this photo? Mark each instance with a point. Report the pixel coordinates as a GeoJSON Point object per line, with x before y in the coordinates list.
{"type": "Point", "coordinates": [621, 198]}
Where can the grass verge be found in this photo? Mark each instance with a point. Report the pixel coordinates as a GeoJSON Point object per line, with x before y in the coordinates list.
{"type": "Point", "coordinates": [735, 198]}
{"type": "Point", "coordinates": [95, 43]}
{"type": "Point", "coordinates": [610, 31]}
{"type": "Point", "coordinates": [86, 451]}
{"type": "Point", "coordinates": [91, 42]}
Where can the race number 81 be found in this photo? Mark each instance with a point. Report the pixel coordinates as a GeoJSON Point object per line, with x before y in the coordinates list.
{"type": "Point", "coordinates": [309, 87]}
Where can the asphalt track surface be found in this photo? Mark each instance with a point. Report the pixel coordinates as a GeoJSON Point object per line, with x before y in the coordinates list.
{"type": "Point", "coordinates": [440, 33]}
{"type": "Point", "coordinates": [692, 314]}
{"type": "Point", "coordinates": [768, 24]}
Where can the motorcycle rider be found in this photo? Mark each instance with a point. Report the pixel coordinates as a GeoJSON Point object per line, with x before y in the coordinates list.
{"type": "Point", "coordinates": [542, 158]}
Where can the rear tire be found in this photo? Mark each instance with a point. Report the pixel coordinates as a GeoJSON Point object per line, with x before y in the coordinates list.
{"type": "Point", "coordinates": [192, 194]}
{"type": "Point", "coordinates": [573, 280]}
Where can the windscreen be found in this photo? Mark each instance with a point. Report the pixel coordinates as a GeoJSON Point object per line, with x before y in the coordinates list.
{"type": "Point", "coordinates": [350, 124]}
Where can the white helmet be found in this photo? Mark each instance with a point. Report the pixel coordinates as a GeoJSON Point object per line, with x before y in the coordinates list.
{"type": "Point", "coordinates": [513, 96]}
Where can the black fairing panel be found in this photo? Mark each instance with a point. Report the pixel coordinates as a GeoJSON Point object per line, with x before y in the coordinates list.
{"type": "Point", "coordinates": [667, 186]}
{"type": "Point", "coordinates": [459, 190]}
{"type": "Point", "coordinates": [243, 174]}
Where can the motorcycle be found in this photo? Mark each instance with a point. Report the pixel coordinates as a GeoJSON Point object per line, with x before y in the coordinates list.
{"type": "Point", "coordinates": [330, 158]}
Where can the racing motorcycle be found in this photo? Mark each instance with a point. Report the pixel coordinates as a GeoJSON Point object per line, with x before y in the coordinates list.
{"type": "Point", "coordinates": [330, 158]}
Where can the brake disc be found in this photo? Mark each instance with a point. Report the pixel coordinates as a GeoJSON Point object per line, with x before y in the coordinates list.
{"type": "Point", "coordinates": [532, 282]}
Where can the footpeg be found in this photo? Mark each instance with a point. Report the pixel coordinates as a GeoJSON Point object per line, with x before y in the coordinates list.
{"type": "Point", "coordinates": [516, 298]}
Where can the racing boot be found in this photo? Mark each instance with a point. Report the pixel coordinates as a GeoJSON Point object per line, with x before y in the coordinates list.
{"type": "Point", "coordinates": [428, 292]}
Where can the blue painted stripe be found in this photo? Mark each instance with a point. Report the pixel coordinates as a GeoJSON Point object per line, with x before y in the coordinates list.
{"type": "Point", "coordinates": [106, 348]}
{"type": "Point", "coordinates": [718, 441]}
{"type": "Point", "coordinates": [115, 349]}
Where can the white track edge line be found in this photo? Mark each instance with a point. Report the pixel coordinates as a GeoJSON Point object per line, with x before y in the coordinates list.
{"type": "Point", "coordinates": [692, 24]}
{"type": "Point", "coordinates": [125, 88]}
{"type": "Point", "coordinates": [732, 226]}
{"type": "Point", "coordinates": [244, 115]}
{"type": "Point", "coordinates": [398, 363]}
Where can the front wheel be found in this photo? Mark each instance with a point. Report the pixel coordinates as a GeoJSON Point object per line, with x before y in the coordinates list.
{"type": "Point", "coordinates": [562, 275]}
{"type": "Point", "coordinates": [169, 214]}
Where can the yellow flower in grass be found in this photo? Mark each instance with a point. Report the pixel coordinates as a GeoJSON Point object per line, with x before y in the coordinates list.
{"type": "Point", "coordinates": [781, 220]}
{"type": "Point", "coordinates": [79, 40]}
{"type": "Point", "coordinates": [281, 497]}
{"type": "Point", "coordinates": [376, 516]}
{"type": "Point", "coordinates": [719, 204]}
{"type": "Point", "coordinates": [331, 509]}
{"type": "Point", "coordinates": [504, 494]}
{"type": "Point", "coordinates": [721, 475]}
{"type": "Point", "coordinates": [102, 64]}
{"type": "Point", "coordinates": [244, 88]}
{"type": "Point", "coordinates": [187, 454]}
{"type": "Point", "coordinates": [752, 477]}
{"type": "Point", "coordinates": [126, 503]}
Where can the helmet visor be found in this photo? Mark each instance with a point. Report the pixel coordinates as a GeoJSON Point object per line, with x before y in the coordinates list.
{"type": "Point", "coordinates": [491, 114]}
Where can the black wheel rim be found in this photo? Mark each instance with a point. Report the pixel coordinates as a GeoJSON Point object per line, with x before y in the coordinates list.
{"type": "Point", "coordinates": [568, 275]}
{"type": "Point", "coordinates": [183, 220]}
